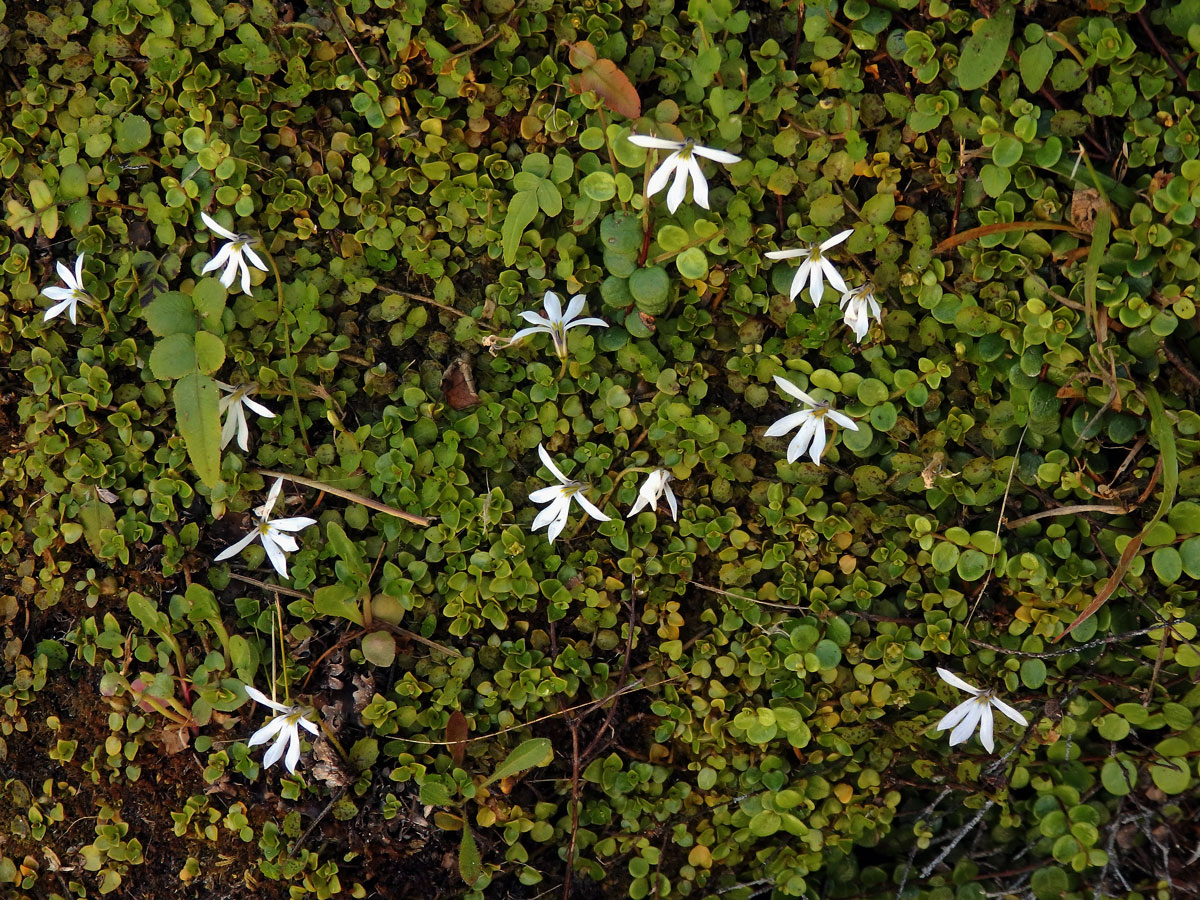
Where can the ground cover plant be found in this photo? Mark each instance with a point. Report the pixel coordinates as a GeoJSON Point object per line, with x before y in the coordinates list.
{"type": "Point", "coordinates": [624, 448]}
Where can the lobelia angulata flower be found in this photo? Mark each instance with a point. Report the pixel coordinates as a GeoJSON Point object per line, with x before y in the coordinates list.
{"type": "Point", "coordinates": [556, 323]}
{"type": "Point", "coordinates": [858, 308]}
{"type": "Point", "coordinates": [810, 421]}
{"type": "Point", "coordinates": [272, 532]}
{"type": "Point", "coordinates": [284, 728]}
{"type": "Point", "coordinates": [976, 710]}
{"type": "Point", "coordinates": [232, 255]}
{"type": "Point", "coordinates": [815, 269]}
{"type": "Point", "coordinates": [68, 297]}
{"type": "Point", "coordinates": [234, 409]}
{"type": "Point", "coordinates": [559, 496]}
{"type": "Point", "coordinates": [682, 163]}
{"type": "Point", "coordinates": [657, 484]}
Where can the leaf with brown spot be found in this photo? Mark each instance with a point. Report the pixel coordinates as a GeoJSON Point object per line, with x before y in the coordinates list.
{"type": "Point", "coordinates": [456, 736]}
{"type": "Point", "coordinates": [602, 76]}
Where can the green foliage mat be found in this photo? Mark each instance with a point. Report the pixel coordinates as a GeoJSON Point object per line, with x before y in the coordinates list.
{"type": "Point", "coordinates": [739, 704]}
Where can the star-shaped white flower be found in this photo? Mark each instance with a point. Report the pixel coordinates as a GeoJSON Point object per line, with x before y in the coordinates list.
{"type": "Point", "coordinates": [284, 728]}
{"type": "Point", "coordinates": [555, 323]}
{"type": "Point", "coordinates": [682, 162]}
{"type": "Point", "coordinates": [234, 409]}
{"type": "Point", "coordinates": [815, 268]}
{"type": "Point", "coordinates": [975, 711]}
{"type": "Point", "coordinates": [858, 307]}
{"type": "Point", "coordinates": [559, 497]}
{"type": "Point", "coordinates": [68, 297]}
{"type": "Point", "coordinates": [656, 484]}
{"type": "Point", "coordinates": [811, 423]}
{"type": "Point", "coordinates": [273, 532]}
{"type": "Point", "coordinates": [232, 255]}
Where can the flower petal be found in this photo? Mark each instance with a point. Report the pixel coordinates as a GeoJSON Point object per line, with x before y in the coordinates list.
{"type": "Point", "coordinates": [817, 446]}
{"type": "Point", "coordinates": [836, 239]}
{"type": "Point", "coordinates": [964, 728]}
{"type": "Point", "coordinates": [956, 715]}
{"type": "Point", "coordinates": [592, 509]}
{"type": "Point", "coordinates": [597, 323]}
{"type": "Point", "coordinates": [547, 494]}
{"type": "Point", "coordinates": [228, 428]}
{"type": "Point", "coordinates": [836, 281]}
{"type": "Point", "coordinates": [816, 285]}
{"type": "Point", "coordinates": [66, 275]}
{"type": "Point", "coordinates": [276, 750]}
{"type": "Point", "coordinates": [842, 419]}
{"type": "Point", "coordinates": [241, 261]}
{"type": "Point", "coordinates": [219, 260]}
{"type": "Point", "coordinates": [243, 429]}
{"type": "Point", "coordinates": [950, 678]}
{"type": "Point", "coordinates": [661, 175]}
{"type": "Point", "coordinates": [259, 697]}
{"type": "Point", "coordinates": [57, 308]}
{"type": "Point", "coordinates": [720, 156]}
{"type": "Point", "coordinates": [308, 725]}
{"type": "Point", "coordinates": [560, 521]}
{"type": "Point", "coordinates": [268, 731]}
{"type": "Point", "coordinates": [678, 189]}
{"type": "Point", "coordinates": [574, 308]}
{"type": "Point", "coordinates": [79, 271]}
{"type": "Point", "coordinates": [986, 724]}
{"type": "Point", "coordinates": [549, 464]}
{"type": "Point", "coordinates": [792, 420]}
{"type": "Point", "coordinates": [237, 548]}
{"type": "Point", "coordinates": [258, 408]}
{"type": "Point", "coordinates": [555, 510]}
{"type": "Point", "coordinates": [654, 143]}
{"type": "Point", "coordinates": [275, 555]}
{"type": "Point", "coordinates": [671, 503]}
{"type": "Point", "coordinates": [293, 751]}
{"type": "Point", "coordinates": [802, 439]}
{"type": "Point", "coordinates": [216, 227]}
{"type": "Point", "coordinates": [254, 258]}
{"type": "Point", "coordinates": [1009, 711]}
{"type": "Point", "coordinates": [553, 307]}
{"type": "Point", "coordinates": [526, 332]}
{"type": "Point", "coordinates": [699, 184]}
{"type": "Point", "coordinates": [786, 254]}
{"type": "Point", "coordinates": [798, 280]}
{"type": "Point", "coordinates": [788, 388]}
{"type": "Point", "coordinates": [292, 523]}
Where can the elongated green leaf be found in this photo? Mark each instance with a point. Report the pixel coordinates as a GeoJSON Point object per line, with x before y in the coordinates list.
{"type": "Point", "coordinates": [534, 752]}
{"type": "Point", "coordinates": [347, 550]}
{"type": "Point", "coordinates": [95, 515]}
{"type": "Point", "coordinates": [470, 866]}
{"type": "Point", "coordinates": [199, 420]}
{"type": "Point", "coordinates": [521, 211]}
{"type": "Point", "coordinates": [984, 51]}
{"type": "Point", "coordinates": [337, 600]}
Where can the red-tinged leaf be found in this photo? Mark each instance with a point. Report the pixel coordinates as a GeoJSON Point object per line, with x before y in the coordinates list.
{"type": "Point", "coordinates": [602, 76]}
{"type": "Point", "coordinates": [456, 735]}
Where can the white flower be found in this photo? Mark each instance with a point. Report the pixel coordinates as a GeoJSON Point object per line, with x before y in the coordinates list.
{"type": "Point", "coordinates": [656, 484]}
{"type": "Point", "coordinates": [555, 323]}
{"type": "Point", "coordinates": [69, 297]}
{"type": "Point", "coordinates": [232, 255]}
{"type": "Point", "coordinates": [811, 423]}
{"type": "Point", "coordinates": [683, 163]}
{"type": "Point", "coordinates": [275, 540]}
{"type": "Point", "coordinates": [234, 409]}
{"type": "Point", "coordinates": [559, 497]}
{"type": "Point", "coordinates": [814, 267]}
{"type": "Point", "coordinates": [975, 711]}
{"type": "Point", "coordinates": [285, 728]}
{"type": "Point", "coordinates": [858, 306]}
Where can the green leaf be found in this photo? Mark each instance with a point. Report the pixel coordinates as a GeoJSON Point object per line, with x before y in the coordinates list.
{"type": "Point", "coordinates": [470, 866]}
{"type": "Point", "coordinates": [173, 357]}
{"type": "Point", "coordinates": [534, 752]}
{"type": "Point", "coordinates": [1113, 727]}
{"type": "Point", "coordinates": [364, 753]}
{"type": "Point", "coordinates": [1118, 775]}
{"type": "Point", "coordinates": [522, 210]}
{"type": "Point", "coordinates": [209, 353]}
{"type": "Point", "coordinates": [984, 51]}
{"type": "Point", "coordinates": [379, 647]}
{"type": "Point", "coordinates": [338, 600]}
{"type": "Point", "coordinates": [95, 515]}
{"type": "Point", "coordinates": [1034, 63]}
{"type": "Point", "coordinates": [549, 199]}
{"type": "Point", "coordinates": [208, 299]}
{"type": "Point", "coordinates": [147, 612]}
{"type": "Point", "coordinates": [972, 565]}
{"type": "Point", "coordinates": [692, 263]}
{"type": "Point", "coordinates": [621, 233]}
{"type": "Point", "coordinates": [1167, 564]}
{"type": "Point", "coordinates": [1171, 776]}
{"type": "Point", "coordinates": [599, 186]}
{"type": "Point", "coordinates": [879, 209]}
{"type": "Point", "coordinates": [40, 194]}
{"type": "Point", "coordinates": [650, 287]}
{"type": "Point", "coordinates": [435, 793]}
{"type": "Point", "coordinates": [171, 313]}
{"type": "Point", "coordinates": [199, 420]}
{"type": "Point", "coordinates": [347, 549]}
{"type": "Point", "coordinates": [133, 133]}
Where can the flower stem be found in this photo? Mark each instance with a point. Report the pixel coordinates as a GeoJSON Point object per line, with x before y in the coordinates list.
{"type": "Point", "coordinates": [287, 349]}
